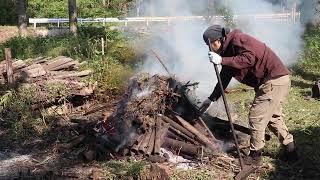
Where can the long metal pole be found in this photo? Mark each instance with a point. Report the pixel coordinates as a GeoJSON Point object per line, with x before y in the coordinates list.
{"type": "Point", "coordinates": [227, 109]}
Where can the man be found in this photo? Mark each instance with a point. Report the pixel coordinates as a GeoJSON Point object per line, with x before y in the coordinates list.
{"type": "Point", "coordinates": [253, 63]}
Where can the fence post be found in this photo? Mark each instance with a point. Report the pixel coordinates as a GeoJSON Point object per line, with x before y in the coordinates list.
{"type": "Point", "coordinates": [102, 46]}
{"type": "Point", "coordinates": [9, 67]}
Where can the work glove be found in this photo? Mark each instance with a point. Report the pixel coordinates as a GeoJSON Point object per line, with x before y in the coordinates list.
{"type": "Point", "coordinates": [214, 58]}
{"type": "Point", "coordinates": [205, 106]}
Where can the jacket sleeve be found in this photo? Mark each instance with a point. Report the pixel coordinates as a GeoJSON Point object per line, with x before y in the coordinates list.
{"type": "Point", "coordinates": [245, 58]}
{"type": "Point", "coordinates": [226, 75]}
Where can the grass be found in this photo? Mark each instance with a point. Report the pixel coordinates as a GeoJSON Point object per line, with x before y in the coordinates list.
{"type": "Point", "coordinates": [123, 169]}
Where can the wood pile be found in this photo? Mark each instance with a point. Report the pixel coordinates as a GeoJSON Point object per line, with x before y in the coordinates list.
{"type": "Point", "coordinates": [43, 72]}
{"type": "Point", "coordinates": [149, 117]}
{"type": "Point", "coordinates": [31, 69]}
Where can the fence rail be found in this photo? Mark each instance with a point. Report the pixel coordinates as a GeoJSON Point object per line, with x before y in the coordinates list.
{"type": "Point", "coordinates": [292, 16]}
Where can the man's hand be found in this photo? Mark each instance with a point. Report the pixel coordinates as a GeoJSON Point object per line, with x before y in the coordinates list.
{"type": "Point", "coordinates": [205, 105]}
{"type": "Point", "coordinates": [214, 58]}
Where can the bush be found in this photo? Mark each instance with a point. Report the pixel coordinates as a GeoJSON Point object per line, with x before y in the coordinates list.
{"type": "Point", "coordinates": [110, 75]}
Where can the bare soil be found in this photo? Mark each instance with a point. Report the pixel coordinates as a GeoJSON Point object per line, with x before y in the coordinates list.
{"type": "Point", "coordinates": [7, 32]}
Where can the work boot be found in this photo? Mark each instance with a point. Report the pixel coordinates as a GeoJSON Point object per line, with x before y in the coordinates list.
{"type": "Point", "coordinates": [254, 158]}
{"type": "Point", "coordinates": [290, 154]}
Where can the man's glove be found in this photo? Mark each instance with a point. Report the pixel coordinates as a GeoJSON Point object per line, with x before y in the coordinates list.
{"type": "Point", "coordinates": [214, 58]}
{"type": "Point", "coordinates": [205, 105]}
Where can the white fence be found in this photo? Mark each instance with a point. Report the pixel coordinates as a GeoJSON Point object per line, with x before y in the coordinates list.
{"type": "Point", "coordinates": [288, 17]}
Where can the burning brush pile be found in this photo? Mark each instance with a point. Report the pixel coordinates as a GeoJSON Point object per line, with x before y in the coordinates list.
{"type": "Point", "coordinates": [156, 112]}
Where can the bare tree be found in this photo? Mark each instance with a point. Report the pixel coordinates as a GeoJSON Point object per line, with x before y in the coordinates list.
{"type": "Point", "coordinates": [72, 5]}
{"type": "Point", "coordinates": [22, 17]}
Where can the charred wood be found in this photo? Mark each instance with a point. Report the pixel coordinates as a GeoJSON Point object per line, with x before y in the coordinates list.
{"type": "Point", "coordinates": [137, 144]}
{"type": "Point", "coordinates": [177, 127]}
{"type": "Point", "coordinates": [204, 140]}
{"type": "Point", "coordinates": [182, 147]}
{"type": "Point", "coordinates": [145, 141]}
{"type": "Point", "coordinates": [151, 142]}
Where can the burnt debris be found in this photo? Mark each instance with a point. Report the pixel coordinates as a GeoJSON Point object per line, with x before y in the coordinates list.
{"type": "Point", "coordinates": [156, 112]}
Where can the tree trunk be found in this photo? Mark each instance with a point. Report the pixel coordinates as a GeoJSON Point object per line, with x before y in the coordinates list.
{"type": "Point", "coordinates": [72, 4]}
{"type": "Point", "coordinates": [22, 17]}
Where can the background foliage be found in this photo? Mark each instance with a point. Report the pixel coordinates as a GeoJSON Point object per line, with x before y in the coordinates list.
{"type": "Point", "coordinates": [59, 9]}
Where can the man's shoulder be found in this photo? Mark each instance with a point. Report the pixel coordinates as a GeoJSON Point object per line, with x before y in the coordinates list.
{"type": "Point", "coordinates": [239, 37]}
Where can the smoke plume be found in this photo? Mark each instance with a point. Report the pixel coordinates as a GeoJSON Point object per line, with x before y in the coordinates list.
{"type": "Point", "coordinates": [181, 47]}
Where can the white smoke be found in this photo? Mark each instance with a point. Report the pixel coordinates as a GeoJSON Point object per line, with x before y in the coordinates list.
{"type": "Point", "coordinates": [283, 37]}
{"type": "Point", "coordinates": [183, 50]}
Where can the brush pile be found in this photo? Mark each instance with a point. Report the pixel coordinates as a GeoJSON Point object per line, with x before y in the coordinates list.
{"type": "Point", "coordinates": [44, 75]}
{"type": "Point", "coordinates": [156, 112]}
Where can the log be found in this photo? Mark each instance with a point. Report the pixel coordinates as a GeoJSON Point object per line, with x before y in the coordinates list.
{"type": "Point", "coordinates": [137, 144]}
{"type": "Point", "coordinates": [172, 135]}
{"type": "Point", "coordinates": [62, 75]}
{"type": "Point", "coordinates": [15, 65]}
{"type": "Point", "coordinates": [177, 126]}
{"type": "Point", "coordinates": [150, 146]}
{"type": "Point", "coordinates": [55, 63]}
{"type": "Point", "coordinates": [34, 70]}
{"type": "Point", "coordinates": [163, 134]}
{"type": "Point", "coordinates": [67, 65]}
{"type": "Point", "coordinates": [157, 140]}
{"type": "Point", "coordinates": [18, 64]}
{"type": "Point", "coordinates": [40, 60]}
{"type": "Point", "coordinates": [200, 128]}
{"type": "Point", "coordinates": [75, 84]}
{"type": "Point", "coordinates": [207, 129]}
{"type": "Point", "coordinates": [182, 147]}
{"type": "Point", "coordinates": [180, 134]}
{"type": "Point", "coordinates": [202, 138]}
{"type": "Point", "coordinates": [145, 141]}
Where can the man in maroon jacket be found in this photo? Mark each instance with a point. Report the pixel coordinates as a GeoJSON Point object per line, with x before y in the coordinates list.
{"type": "Point", "coordinates": [253, 63]}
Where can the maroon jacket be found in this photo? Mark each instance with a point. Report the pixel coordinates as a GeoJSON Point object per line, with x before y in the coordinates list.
{"type": "Point", "coordinates": [249, 61]}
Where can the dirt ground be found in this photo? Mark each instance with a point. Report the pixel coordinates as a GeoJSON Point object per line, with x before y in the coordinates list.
{"type": "Point", "coordinates": [7, 32]}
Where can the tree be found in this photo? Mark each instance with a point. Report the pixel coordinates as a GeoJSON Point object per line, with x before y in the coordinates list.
{"type": "Point", "coordinates": [22, 17]}
{"type": "Point", "coordinates": [72, 5]}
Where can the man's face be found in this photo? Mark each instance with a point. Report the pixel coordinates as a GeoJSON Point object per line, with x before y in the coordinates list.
{"type": "Point", "coordinates": [215, 46]}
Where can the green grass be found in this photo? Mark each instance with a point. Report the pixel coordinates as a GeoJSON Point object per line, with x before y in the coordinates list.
{"type": "Point", "coordinates": [123, 169]}
{"type": "Point", "coordinates": [203, 173]}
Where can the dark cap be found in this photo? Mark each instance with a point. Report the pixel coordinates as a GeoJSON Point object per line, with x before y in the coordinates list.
{"type": "Point", "coordinates": [213, 32]}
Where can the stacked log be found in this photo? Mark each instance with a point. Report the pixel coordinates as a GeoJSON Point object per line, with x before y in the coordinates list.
{"type": "Point", "coordinates": [45, 71]}
{"type": "Point", "coordinates": [185, 141]}
{"type": "Point", "coordinates": [54, 68]}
